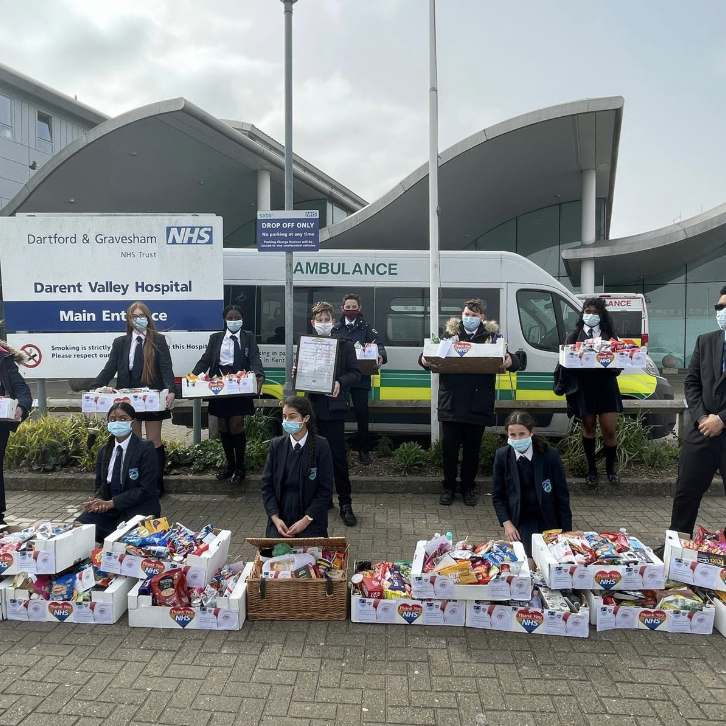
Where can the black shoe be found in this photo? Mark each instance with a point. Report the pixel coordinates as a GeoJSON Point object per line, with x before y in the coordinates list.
{"type": "Point", "coordinates": [238, 477]}
{"type": "Point", "coordinates": [331, 505]}
{"type": "Point", "coordinates": [3, 523]}
{"type": "Point", "coordinates": [447, 497]}
{"type": "Point", "coordinates": [469, 498]}
{"type": "Point", "coordinates": [346, 514]}
{"type": "Point", "coordinates": [613, 478]}
{"type": "Point", "coordinates": [592, 480]}
{"type": "Point", "coordinates": [225, 473]}
{"type": "Point", "coordinates": [364, 457]}
{"type": "Point", "coordinates": [161, 492]}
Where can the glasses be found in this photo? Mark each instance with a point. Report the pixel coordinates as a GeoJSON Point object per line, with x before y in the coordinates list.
{"type": "Point", "coordinates": [136, 317]}
{"type": "Point", "coordinates": [719, 307]}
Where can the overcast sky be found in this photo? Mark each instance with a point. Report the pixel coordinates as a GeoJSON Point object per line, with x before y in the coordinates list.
{"type": "Point", "coordinates": [361, 77]}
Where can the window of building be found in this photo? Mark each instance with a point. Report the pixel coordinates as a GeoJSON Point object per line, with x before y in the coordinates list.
{"type": "Point", "coordinates": [45, 127]}
{"type": "Point", "coordinates": [6, 117]}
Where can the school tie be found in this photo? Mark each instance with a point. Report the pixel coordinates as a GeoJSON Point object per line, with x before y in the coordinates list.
{"type": "Point", "coordinates": [297, 448]}
{"type": "Point", "coordinates": [350, 327]}
{"type": "Point", "coordinates": [116, 473]}
{"type": "Point", "coordinates": [590, 333]}
{"type": "Point", "coordinates": [237, 359]}
{"type": "Point", "coordinates": [138, 365]}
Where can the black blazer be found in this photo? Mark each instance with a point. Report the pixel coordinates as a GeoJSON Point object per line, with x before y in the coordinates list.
{"type": "Point", "coordinates": [363, 333]}
{"type": "Point", "coordinates": [705, 384]}
{"type": "Point", "coordinates": [138, 478]}
{"type": "Point", "coordinates": [118, 365]}
{"type": "Point", "coordinates": [13, 386]}
{"type": "Point", "coordinates": [347, 372]}
{"type": "Point", "coordinates": [209, 362]}
{"type": "Point", "coordinates": [316, 490]}
{"type": "Point", "coordinates": [548, 474]}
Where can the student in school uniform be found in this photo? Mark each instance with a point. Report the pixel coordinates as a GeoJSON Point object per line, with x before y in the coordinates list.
{"type": "Point", "coordinates": [330, 409]}
{"type": "Point", "coordinates": [529, 491]}
{"type": "Point", "coordinates": [12, 385]}
{"type": "Point", "coordinates": [597, 395]}
{"type": "Point", "coordinates": [126, 476]}
{"type": "Point", "coordinates": [230, 351]}
{"type": "Point", "coordinates": [139, 359]}
{"type": "Point", "coordinates": [297, 481]}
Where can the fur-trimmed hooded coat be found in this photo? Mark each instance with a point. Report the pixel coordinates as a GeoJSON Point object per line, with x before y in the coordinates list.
{"type": "Point", "coordinates": [12, 384]}
{"type": "Point", "coordinates": [469, 397]}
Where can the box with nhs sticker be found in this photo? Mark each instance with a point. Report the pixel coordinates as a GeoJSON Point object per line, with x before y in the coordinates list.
{"type": "Point", "coordinates": [700, 561]}
{"type": "Point", "coordinates": [142, 399]}
{"type": "Point", "coordinates": [7, 408]}
{"type": "Point", "coordinates": [243, 383]}
{"type": "Point", "coordinates": [457, 356]}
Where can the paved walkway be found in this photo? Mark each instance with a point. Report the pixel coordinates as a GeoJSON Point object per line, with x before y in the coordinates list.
{"type": "Point", "coordinates": [310, 674]}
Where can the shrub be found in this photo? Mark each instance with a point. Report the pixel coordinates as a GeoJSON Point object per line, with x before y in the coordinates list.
{"type": "Point", "coordinates": [409, 457]}
{"type": "Point", "coordinates": [436, 455]}
{"type": "Point", "coordinates": [384, 447]}
{"type": "Point", "coordinates": [489, 445]}
{"type": "Point", "coordinates": [258, 426]}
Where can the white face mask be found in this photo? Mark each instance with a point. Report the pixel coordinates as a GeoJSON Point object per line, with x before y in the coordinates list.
{"type": "Point", "coordinates": [721, 319]}
{"type": "Point", "coordinates": [323, 328]}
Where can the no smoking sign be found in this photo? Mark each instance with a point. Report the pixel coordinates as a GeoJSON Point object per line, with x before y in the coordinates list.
{"type": "Point", "coordinates": [34, 355]}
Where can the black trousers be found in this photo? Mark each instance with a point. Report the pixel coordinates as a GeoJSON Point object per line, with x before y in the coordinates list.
{"type": "Point", "coordinates": [696, 468]}
{"type": "Point", "coordinates": [359, 398]}
{"type": "Point", "coordinates": [4, 435]}
{"type": "Point", "coordinates": [468, 438]}
{"type": "Point", "coordinates": [334, 432]}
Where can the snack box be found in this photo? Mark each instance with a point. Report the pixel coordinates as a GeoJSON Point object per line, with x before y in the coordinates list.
{"type": "Point", "coordinates": [51, 555]}
{"type": "Point", "coordinates": [5, 583]}
{"type": "Point", "coordinates": [368, 359]}
{"type": "Point", "coordinates": [106, 607]}
{"type": "Point", "coordinates": [719, 621]}
{"type": "Point", "coordinates": [229, 614]}
{"type": "Point", "coordinates": [570, 358]}
{"type": "Point", "coordinates": [401, 611]}
{"type": "Point", "coordinates": [520, 618]}
{"type": "Point", "coordinates": [463, 357]}
{"type": "Point", "coordinates": [516, 586]}
{"type": "Point", "coordinates": [624, 617]}
{"type": "Point", "coordinates": [7, 408]}
{"type": "Point", "coordinates": [684, 565]}
{"type": "Point", "coordinates": [198, 568]}
{"type": "Point", "coordinates": [227, 386]}
{"type": "Point", "coordinates": [140, 400]}
{"type": "Point", "coordinates": [597, 577]}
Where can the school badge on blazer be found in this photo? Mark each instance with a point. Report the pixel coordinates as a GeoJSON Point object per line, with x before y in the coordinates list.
{"type": "Point", "coordinates": [313, 473]}
{"type": "Point", "coordinates": [133, 473]}
{"type": "Point", "coordinates": [547, 485]}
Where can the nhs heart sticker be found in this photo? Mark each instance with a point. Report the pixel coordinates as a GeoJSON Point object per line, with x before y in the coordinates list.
{"type": "Point", "coordinates": [605, 359]}
{"type": "Point", "coordinates": [216, 386]}
{"type": "Point", "coordinates": [530, 620]}
{"type": "Point", "coordinates": [652, 619]}
{"type": "Point", "coordinates": [152, 567]}
{"type": "Point", "coordinates": [182, 616]}
{"type": "Point", "coordinates": [6, 559]}
{"type": "Point", "coordinates": [410, 612]}
{"type": "Point", "coordinates": [607, 580]}
{"type": "Point", "coordinates": [124, 399]}
{"type": "Point", "coordinates": [61, 611]}
{"type": "Point", "coordinates": [462, 348]}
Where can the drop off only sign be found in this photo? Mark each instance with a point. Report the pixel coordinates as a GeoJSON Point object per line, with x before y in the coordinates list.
{"type": "Point", "coordinates": [68, 281]}
{"type": "Point", "coordinates": [288, 231]}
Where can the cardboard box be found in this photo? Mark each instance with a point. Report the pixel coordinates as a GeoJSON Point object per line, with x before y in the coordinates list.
{"type": "Point", "coordinates": [198, 568]}
{"type": "Point", "coordinates": [719, 621]}
{"type": "Point", "coordinates": [368, 359]}
{"type": "Point", "coordinates": [7, 408]}
{"type": "Point", "coordinates": [569, 358]}
{"type": "Point", "coordinates": [141, 400]}
{"type": "Point", "coordinates": [463, 357]}
{"type": "Point", "coordinates": [51, 555]}
{"type": "Point", "coordinates": [624, 617]}
{"type": "Point", "coordinates": [106, 607]}
{"type": "Point", "coordinates": [692, 567]}
{"type": "Point", "coordinates": [4, 584]}
{"type": "Point", "coordinates": [227, 386]}
{"type": "Point", "coordinates": [229, 614]}
{"type": "Point", "coordinates": [596, 577]}
{"type": "Point", "coordinates": [517, 618]}
{"type": "Point", "coordinates": [403, 611]}
{"type": "Point", "coordinates": [515, 586]}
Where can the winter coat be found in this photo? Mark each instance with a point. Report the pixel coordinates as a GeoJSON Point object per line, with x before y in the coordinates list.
{"type": "Point", "coordinates": [13, 384]}
{"type": "Point", "coordinates": [362, 333]}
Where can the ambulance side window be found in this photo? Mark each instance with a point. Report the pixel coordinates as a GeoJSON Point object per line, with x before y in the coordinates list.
{"type": "Point", "coordinates": [569, 316]}
{"type": "Point", "coordinates": [538, 319]}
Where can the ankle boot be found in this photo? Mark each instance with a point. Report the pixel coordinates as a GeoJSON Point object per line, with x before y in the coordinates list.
{"type": "Point", "coordinates": [611, 454]}
{"type": "Point", "coordinates": [588, 446]}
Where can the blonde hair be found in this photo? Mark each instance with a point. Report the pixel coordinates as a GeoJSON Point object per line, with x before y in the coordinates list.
{"type": "Point", "coordinates": [147, 371]}
{"type": "Point", "coordinates": [321, 307]}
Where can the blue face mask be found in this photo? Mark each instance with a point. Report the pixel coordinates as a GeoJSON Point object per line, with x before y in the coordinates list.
{"type": "Point", "coordinates": [234, 326]}
{"type": "Point", "coordinates": [140, 323]}
{"type": "Point", "coordinates": [520, 444]}
{"type": "Point", "coordinates": [292, 427]}
{"type": "Point", "coordinates": [590, 319]}
{"type": "Point", "coordinates": [470, 324]}
{"type": "Point", "coordinates": [119, 429]}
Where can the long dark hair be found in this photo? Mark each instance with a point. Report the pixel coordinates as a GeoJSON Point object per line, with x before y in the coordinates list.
{"type": "Point", "coordinates": [305, 408]}
{"type": "Point", "coordinates": [522, 418]}
{"type": "Point", "coordinates": [606, 322]}
{"type": "Point", "coordinates": [127, 408]}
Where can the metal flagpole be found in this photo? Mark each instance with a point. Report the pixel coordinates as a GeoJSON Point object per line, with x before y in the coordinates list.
{"type": "Point", "coordinates": [434, 268]}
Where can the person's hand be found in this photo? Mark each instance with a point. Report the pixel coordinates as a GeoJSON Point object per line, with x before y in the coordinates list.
{"type": "Point", "coordinates": [18, 413]}
{"type": "Point", "coordinates": [299, 526]}
{"type": "Point", "coordinates": [98, 506]}
{"type": "Point", "coordinates": [511, 533]}
{"type": "Point", "coordinates": [379, 363]}
{"type": "Point", "coordinates": [260, 380]}
{"type": "Point", "coordinates": [425, 363]}
{"type": "Point", "coordinates": [294, 371]}
{"type": "Point", "coordinates": [711, 426]}
{"type": "Point", "coordinates": [336, 391]}
{"type": "Point", "coordinates": [170, 400]}
{"type": "Point", "coordinates": [280, 526]}
{"type": "Point", "coordinates": [507, 363]}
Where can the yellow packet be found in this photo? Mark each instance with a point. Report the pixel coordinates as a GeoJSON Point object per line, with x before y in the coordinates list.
{"type": "Point", "coordinates": [156, 525]}
{"type": "Point", "coordinates": [462, 573]}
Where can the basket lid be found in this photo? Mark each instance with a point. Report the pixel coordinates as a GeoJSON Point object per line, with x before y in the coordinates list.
{"type": "Point", "coordinates": [269, 542]}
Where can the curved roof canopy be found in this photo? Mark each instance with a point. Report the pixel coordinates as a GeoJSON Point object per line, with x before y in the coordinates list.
{"type": "Point", "coordinates": [518, 166]}
{"type": "Point", "coordinates": [172, 157]}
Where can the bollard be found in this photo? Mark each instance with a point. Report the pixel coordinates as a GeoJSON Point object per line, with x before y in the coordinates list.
{"type": "Point", "coordinates": [197, 420]}
{"type": "Point", "coordinates": [42, 396]}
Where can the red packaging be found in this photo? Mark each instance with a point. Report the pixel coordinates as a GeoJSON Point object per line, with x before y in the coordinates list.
{"type": "Point", "coordinates": [371, 587]}
{"type": "Point", "coordinates": [169, 589]}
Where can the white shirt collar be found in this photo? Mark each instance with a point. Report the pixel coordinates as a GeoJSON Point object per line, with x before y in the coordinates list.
{"type": "Point", "coordinates": [136, 335]}
{"type": "Point", "coordinates": [229, 334]}
{"type": "Point", "coordinates": [301, 442]}
{"type": "Point", "coordinates": [527, 453]}
{"type": "Point", "coordinates": [348, 321]}
{"type": "Point", "coordinates": [596, 333]}
{"type": "Point", "coordinates": [124, 448]}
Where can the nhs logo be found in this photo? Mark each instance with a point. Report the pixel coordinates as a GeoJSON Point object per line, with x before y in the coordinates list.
{"type": "Point", "coordinates": [189, 235]}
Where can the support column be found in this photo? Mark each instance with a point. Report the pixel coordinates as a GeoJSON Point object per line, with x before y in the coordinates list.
{"type": "Point", "coordinates": [588, 228]}
{"type": "Point", "coordinates": [263, 190]}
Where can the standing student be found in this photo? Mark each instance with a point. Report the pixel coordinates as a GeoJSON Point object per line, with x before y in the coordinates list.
{"type": "Point", "coordinates": [466, 402]}
{"type": "Point", "coordinates": [330, 409]}
{"type": "Point", "coordinates": [529, 490]}
{"type": "Point", "coordinates": [12, 385]}
{"type": "Point", "coordinates": [141, 359]}
{"type": "Point", "coordinates": [297, 481]}
{"type": "Point", "coordinates": [597, 395]}
{"type": "Point", "coordinates": [126, 476]}
{"type": "Point", "coordinates": [230, 351]}
{"type": "Point", "coordinates": [355, 328]}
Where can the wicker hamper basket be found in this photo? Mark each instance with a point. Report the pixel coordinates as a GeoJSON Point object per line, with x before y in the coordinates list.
{"type": "Point", "coordinates": [292, 599]}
